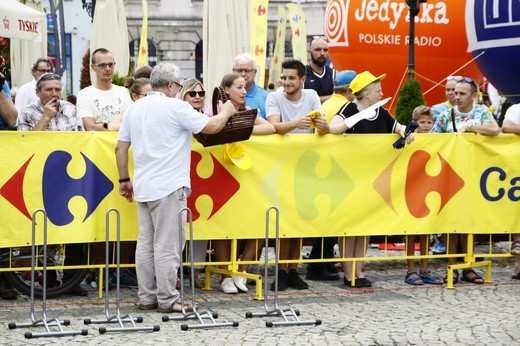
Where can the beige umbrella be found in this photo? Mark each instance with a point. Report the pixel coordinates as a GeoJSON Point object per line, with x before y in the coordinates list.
{"type": "Point", "coordinates": [110, 31]}
{"type": "Point", "coordinates": [225, 35]}
{"type": "Point", "coordinates": [28, 44]}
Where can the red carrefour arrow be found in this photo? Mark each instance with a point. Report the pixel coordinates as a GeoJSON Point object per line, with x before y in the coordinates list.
{"type": "Point", "coordinates": [12, 190]}
{"type": "Point", "coordinates": [220, 186]}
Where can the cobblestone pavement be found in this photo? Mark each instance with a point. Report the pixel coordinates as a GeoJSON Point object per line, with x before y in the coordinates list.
{"type": "Point", "coordinates": [390, 313]}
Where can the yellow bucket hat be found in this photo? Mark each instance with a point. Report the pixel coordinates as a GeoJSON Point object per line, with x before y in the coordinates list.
{"type": "Point", "coordinates": [236, 154]}
{"type": "Point", "coordinates": [363, 79]}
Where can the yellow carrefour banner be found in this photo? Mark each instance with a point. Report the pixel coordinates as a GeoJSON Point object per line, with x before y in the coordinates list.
{"type": "Point", "coordinates": [259, 9]}
{"type": "Point", "coordinates": [330, 185]}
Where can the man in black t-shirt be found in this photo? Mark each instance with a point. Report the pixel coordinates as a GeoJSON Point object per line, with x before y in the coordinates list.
{"type": "Point", "coordinates": [319, 76]}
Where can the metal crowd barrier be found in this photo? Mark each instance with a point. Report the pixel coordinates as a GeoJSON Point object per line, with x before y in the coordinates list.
{"type": "Point", "coordinates": [45, 321]}
{"type": "Point", "coordinates": [118, 318]}
{"type": "Point", "coordinates": [290, 316]}
{"type": "Point", "coordinates": [195, 315]}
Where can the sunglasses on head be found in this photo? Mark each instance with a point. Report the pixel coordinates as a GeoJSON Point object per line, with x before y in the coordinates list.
{"type": "Point", "coordinates": [195, 93]}
{"type": "Point", "coordinates": [464, 79]}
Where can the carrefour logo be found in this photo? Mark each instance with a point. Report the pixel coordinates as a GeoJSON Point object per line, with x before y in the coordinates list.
{"type": "Point", "coordinates": [418, 184]}
{"type": "Point", "coordinates": [220, 186]}
{"type": "Point", "coordinates": [58, 188]}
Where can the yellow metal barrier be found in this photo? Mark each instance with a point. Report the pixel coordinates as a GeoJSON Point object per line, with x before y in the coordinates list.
{"type": "Point", "coordinates": [323, 185]}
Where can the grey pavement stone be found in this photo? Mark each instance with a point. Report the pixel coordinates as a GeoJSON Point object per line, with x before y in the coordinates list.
{"type": "Point", "coordinates": [390, 313]}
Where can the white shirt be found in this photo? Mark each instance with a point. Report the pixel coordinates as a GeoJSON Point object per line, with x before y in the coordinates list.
{"type": "Point", "coordinates": [102, 105]}
{"type": "Point", "coordinates": [26, 95]}
{"type": "Point", "coordinates": [278, 104]}
{"type": "Point", "coordinates": [513, 114]}
{"type": "Point", "coordinates": [159, 129]}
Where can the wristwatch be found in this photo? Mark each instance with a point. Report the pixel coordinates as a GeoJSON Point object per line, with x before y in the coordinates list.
{"type": "Point", "coordinates": [105, 124]}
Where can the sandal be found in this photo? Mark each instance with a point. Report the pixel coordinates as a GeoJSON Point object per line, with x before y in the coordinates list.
{"type": "Point", "coordinates": [515, 247]}
{"type": "Point", "coordinates": [455, 277]}
{"type": "Point", "coordinates": [413, 279]}
{"type": "Point", "coordinates": [428, 278]}
{"type": "Point", "coordinates": [469, 275]}
{"type": "Point", "coordinates": [516, 276]}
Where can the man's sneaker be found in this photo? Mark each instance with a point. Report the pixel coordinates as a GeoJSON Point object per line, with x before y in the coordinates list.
{"type": "Point", "coordinates": [228, 286]}
{"type": "Point", "coordinates": [127, 279]}
{"type": "Point", "coordinates": [240, 283]}
{"type": "Point", "coordinates": [145, 306]}
{"type": "Point", "coordinates": [439, 248]}
{"type": "Point", "coordinates": [295, 281]}
{"type": "Point", "coordinates": [283, 281]}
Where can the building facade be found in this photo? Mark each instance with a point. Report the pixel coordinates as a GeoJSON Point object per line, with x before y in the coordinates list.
{"type": "Point", "coordinates": [174, 31]}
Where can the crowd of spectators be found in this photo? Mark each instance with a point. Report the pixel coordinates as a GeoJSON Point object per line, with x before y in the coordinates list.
{"type": "Point", "coordinates": [311, 98]}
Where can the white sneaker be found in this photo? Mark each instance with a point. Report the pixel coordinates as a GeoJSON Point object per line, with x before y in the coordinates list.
{"type": "Point", "coordinates": [240, 283]}
{"type": "Point", "coordinates": [228, 286]}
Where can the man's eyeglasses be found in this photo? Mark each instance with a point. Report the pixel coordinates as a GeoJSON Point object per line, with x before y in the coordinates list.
{"type": "Point", "coordinates": [178, 85]}
{"type": "Point", "coordinates": [44, 70]}
{"type": "Point", "coordinates": [195, 93]}
{"type": "Point", "coordinates": [105, 65]}
{"type": "Point", "coordinates": [46, 77]}
{"type": "Point", "coordinates": [243, 70]}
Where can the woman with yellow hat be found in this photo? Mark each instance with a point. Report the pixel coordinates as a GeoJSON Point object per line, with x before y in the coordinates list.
{"type": "Point", "coordinates": [363, 115]}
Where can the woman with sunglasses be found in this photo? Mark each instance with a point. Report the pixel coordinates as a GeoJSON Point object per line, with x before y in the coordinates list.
{"type": "Point", "coordinates": [193, 92]}
{"type": "Point", "coordinates": [235, 88]}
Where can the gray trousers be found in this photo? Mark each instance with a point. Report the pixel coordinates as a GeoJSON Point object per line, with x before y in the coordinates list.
{"type": "Point", "coordinates": [158, 253]}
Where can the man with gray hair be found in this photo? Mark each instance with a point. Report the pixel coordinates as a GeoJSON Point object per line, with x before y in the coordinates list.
{"type": "Point", "coordinates": [159, 127]}
{"type": "Point", "coordinates": [245, 66]}
{"type": "Point", "coordinates": [27, 92]}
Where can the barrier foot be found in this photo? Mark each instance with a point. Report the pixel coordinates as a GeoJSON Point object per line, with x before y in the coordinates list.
{"type": "Point", "coordinates": [289, 315]}
{"type": "Point", "coordinates": [206, 318]}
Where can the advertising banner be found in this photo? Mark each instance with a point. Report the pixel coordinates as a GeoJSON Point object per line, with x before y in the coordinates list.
{"type": "Point", "coordinates": [321, 185]}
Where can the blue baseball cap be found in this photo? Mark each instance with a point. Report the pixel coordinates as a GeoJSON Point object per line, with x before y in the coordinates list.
{"type": "Point", "coordinates": [344, 77]}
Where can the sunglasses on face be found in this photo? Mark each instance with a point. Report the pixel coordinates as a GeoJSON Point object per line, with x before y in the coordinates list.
{"type": "Point", "coordinates": [105, 65]}
{"type": "Point", "coordinates": [195, 93]}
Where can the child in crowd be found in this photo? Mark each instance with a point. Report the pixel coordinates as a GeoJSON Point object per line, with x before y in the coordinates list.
{"type": "Point", "coordinates": [423, 116]}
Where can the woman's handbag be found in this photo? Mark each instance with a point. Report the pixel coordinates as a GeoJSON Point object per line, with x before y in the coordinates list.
{"type": "Point", "coordinates": [238, 128]}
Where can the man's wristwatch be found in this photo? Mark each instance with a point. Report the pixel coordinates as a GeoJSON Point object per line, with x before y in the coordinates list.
{"type": "Point", "coordinates": [105, 124]}
{"type": "Point", "coordinates": [124, 180]}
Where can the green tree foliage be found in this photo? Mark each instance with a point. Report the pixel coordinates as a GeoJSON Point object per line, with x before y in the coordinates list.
{"type": "Point", "coordinates": [410, 96]}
